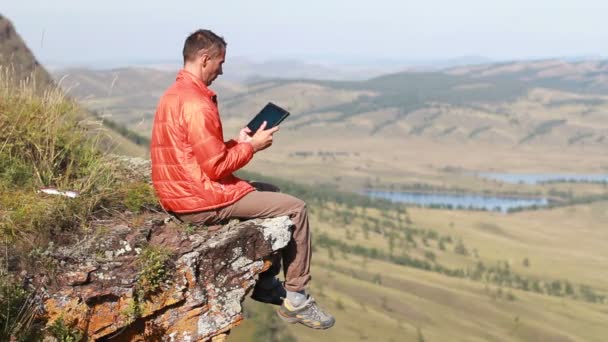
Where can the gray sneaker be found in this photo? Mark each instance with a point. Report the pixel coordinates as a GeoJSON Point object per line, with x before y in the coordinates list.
{"type": "Point", "coordinates": [309, 314]}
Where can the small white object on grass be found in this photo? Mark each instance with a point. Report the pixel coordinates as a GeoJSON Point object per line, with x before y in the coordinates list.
{"type": "Point", "coordinates": [53, 191]}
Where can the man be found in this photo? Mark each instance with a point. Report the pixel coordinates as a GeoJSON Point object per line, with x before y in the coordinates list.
{"type": "Point", "coordinates": [192, 172]}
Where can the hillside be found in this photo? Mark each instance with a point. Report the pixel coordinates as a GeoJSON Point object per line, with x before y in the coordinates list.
{"type": "Point", "coordinates": [589, 76]}
{"type": "Point", "coordinates": [16, 56]}
{"type": "Point", "coordinates": [502, 110]}
{"type": "Point", "coordinates": [509, 117]}
{"type": "Point", "coordinates": [18, 64]}
{"type": "Point", "coordinates": [537, 102]}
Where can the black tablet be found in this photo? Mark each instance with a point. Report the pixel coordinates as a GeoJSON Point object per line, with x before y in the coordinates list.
{"type": "Point", "coordinates": [271, 113]}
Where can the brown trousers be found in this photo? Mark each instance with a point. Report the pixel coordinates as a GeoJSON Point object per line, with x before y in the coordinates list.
{"type": "Point", "coordinates": [268, 202]}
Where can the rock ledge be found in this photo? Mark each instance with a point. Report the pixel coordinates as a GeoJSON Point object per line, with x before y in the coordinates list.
{"type": "Point", "coordinates": [205, 277]}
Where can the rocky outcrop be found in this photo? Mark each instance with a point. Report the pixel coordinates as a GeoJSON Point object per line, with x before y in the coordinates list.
{"type": "Point", "coordinates": [161, 281]}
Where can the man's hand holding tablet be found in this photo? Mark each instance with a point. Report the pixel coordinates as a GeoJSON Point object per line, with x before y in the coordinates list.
{"type": "Point", "coordinates": [264, 124]}
{"type": "Point", "coordinates": [261, 140]}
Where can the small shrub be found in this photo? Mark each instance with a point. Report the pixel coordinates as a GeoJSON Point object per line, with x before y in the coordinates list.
{"type": "Point", "coordinates": [138, 196]}
{"type": "Point", "coordinates": [16, 311]}
{"type": "Point", "coordinates": [64, 332]}
{"type": "Point", "coordinates": [420, 336]}
{"type": "Point", "coordinates": [339, 305]}
{"type": "Point", "coordinates": [153, 272]}
{"type": "Point", "coordinates": [430, 255]}
{"type": "Point", "coordinates": [133, 310]}
{"type": "Point", "coordinates": [460, 248]}
{"type": "Point", "coordinates": [153, 265]}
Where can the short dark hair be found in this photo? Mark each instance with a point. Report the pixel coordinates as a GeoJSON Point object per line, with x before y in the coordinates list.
{"type": "Point", "coordinates": [202, 40]}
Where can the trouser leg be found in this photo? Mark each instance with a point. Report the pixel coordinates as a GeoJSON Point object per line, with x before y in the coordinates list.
{"type": "Point", "coordinates": [275, 259]}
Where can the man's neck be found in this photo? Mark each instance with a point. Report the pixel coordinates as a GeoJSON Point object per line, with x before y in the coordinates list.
{"type": "Point", "coordinates": [196, 71]}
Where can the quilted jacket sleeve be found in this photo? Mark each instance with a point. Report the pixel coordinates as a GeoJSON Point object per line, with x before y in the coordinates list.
{"type": "Point", "coordinates": [204, 132]}
{"type": "Point", "coordinates": [231, 143]}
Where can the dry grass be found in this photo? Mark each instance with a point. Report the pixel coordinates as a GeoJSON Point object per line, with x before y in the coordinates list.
{"type": "Point", "coordinates": [43, 145]}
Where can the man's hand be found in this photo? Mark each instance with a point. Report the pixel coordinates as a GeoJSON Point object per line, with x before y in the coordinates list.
{"type": "Point", "coordinates": [262, 139]}
{"type": "Point", "coordinates": [244, 135]}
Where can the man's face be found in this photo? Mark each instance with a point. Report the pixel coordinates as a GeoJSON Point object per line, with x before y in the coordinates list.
{"type": "Point", "coordinates": [213, 67]}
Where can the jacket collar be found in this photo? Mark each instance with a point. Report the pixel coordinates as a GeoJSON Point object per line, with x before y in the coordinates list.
{"type": "Point", "coordinates": [188, 77]}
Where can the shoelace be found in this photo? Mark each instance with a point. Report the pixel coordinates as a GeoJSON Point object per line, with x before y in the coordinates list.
{"type": "Point", "coordinates": [315, 310]}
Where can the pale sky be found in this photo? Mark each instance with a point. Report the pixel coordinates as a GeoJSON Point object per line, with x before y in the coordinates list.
{"type": "Point", "coordinates": [81, 31]}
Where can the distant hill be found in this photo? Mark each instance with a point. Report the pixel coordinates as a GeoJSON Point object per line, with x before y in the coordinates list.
{"type": "Point", "coordinates": [535, 115]}
{"type": "Point", "coordinates": [142, 83]}
{"type": "Point", "coordinates": [547, 102]}
{"type": "Point", "coordinates": [245, 70]}
{"type": "Point", "coordinates": [127, 96]}
{"type": "Point", "coordinates": [242, 69]}
{"type": "Point", "coordinates": [590, 76]}
{"type": "Point", "coordinates": [472, 103]}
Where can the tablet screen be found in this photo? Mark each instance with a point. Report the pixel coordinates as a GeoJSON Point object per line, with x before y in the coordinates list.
{"type": "Point", "coordinates": [271, 113]}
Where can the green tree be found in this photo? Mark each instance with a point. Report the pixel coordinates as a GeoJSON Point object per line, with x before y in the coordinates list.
{"type": "Point", "coordinates": [568, 288]}
{"type": "Point", "coordinates": [420, 336]}
{"type": "Point", "coordinates": [460, 248]}
{"type": "Point", "coordinates": [441, 245]}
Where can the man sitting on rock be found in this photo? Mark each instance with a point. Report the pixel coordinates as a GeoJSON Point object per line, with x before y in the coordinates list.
{"type": "Point", "coordinates": [192, 172]}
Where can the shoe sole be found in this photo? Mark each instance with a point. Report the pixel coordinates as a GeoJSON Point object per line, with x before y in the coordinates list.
{"type": "Point", "coordinates": [294, 320]}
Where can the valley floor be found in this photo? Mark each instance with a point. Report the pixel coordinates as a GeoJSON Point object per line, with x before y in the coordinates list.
{"type": "Point", "coordinates": [376, 298]}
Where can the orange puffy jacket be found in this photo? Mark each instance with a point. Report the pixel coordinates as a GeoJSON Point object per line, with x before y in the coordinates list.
{"type": "Point", "coordinates": [192, 166]}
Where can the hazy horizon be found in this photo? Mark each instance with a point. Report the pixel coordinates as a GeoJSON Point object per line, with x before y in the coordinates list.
{"type": "Point", "coordinates": [68, 32]}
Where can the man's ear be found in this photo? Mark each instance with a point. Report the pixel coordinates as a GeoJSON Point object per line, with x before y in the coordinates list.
{"type": "Point", "coordinates": [204, 57]}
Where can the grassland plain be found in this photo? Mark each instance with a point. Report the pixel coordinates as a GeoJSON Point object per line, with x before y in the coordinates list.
{"type": "Point", "coordinates": [378, 299]}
